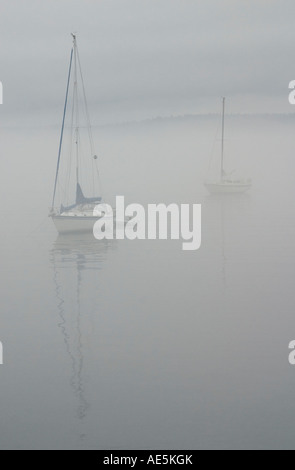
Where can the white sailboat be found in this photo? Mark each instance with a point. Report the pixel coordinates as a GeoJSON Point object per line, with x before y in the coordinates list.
{"type": "Point", "coordinates": [226, 184]}
{"type": "Point", "coordinates": [75, 211]}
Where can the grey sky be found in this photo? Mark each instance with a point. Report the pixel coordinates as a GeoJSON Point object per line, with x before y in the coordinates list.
{"type": "Point", "coordinates": [144, 58]}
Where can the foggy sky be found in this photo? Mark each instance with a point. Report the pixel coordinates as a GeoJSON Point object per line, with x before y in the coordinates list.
{"type": "Point", "coordinates": [147, 58]}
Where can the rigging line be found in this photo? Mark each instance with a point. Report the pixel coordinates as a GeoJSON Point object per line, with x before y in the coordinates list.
{"type": "Point", "coordinates": [81, 166]}
{"type": "Point", "coordinates": [213, 148]}
{"type": "Point", "coordinates": [222, 140]}
{"type": "Point", "coordinates": [89, 127]}
{"type": "Point", "coordinates": [61, 190]}
{"type": "Point", "coordinates": [78, 137]}
{"type": "Point", "coordinates": [69, 166]}
{"type": "Point", "coordinates": [88, 123]}
{"type": "Point", "coordinates": [92, 172]}
{"type": "Point", "coordinates": [99, 181]}
{"type": "Point", "coordinates": [76, 99]}
{"type": "Point", "coordinates": [86, 106]}
{"type": "Point", "coordinates": [93, 182]}
{"type": "Point", "coordinates": [62, 128]}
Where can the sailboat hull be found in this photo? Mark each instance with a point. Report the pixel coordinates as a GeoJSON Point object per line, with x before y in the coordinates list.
{"type": "Point", "coordinates": [228, 187]}
{"type": "Point", "coordinates": [74, 224]}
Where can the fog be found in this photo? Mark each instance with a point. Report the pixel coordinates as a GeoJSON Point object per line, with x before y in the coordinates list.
{"type": "Point", "coordinates": [147, 58]}
{"type": "Point", "coordinates": [139, 345]}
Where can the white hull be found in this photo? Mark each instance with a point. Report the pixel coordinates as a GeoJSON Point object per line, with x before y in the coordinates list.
{"type": "Point", "coordinates": [228, 187]}
{"type": "Point", "coordinates": [74, 224]}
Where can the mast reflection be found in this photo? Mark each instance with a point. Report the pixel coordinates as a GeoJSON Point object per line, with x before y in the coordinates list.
{"type": "Point", "coordinates": [76, 263]}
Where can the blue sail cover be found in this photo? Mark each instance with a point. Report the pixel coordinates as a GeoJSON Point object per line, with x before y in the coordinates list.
{"type": "Point", "coordinates": [80, 199]}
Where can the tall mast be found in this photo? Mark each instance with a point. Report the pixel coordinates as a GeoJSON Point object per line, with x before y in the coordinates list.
{"type": "Point", "coordinates": [222, 139]}
{"type": "Point", "coordinates": [62, 129]}
{"type": "Point", "coordinates": [76, 123]}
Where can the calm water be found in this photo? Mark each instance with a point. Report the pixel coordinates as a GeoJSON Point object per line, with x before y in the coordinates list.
{"type": "Point", "coordinates": [129, 345]}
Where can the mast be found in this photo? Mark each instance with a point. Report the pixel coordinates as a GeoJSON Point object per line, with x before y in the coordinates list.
{"type": "Point", "coordinates": [222, 140]}
{"type": "Point", "coordinates": [76, 108]}
{"type": "Point", "coordinates": [62, 128]}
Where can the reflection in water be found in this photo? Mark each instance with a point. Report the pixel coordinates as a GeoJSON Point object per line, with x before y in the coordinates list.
{"type": "Point", "coordinates": [226, 211]}
{"type": "Point", "coordinates": [139, 347]}
{"type": "Point", "coordinates": [71, 258]}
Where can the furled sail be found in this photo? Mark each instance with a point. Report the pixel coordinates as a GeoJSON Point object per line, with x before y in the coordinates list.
{"type": "Point", "coordinates": [80, 199]}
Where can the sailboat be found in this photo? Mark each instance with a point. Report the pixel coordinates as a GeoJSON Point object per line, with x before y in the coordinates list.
{"type": "Point", "coordinates": [75, 211]}
{"type": "Point", "coordinates": [226, 184]}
